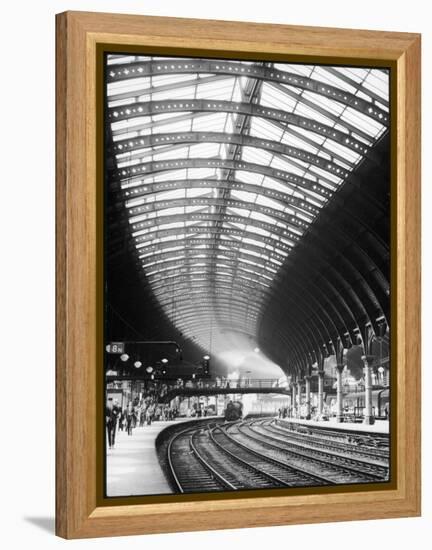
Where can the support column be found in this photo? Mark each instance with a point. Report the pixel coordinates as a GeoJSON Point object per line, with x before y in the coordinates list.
{"type": "Point", "coordinates": [386, 376]}
{"type": "Point", "coordinates": [308, 399]}
{"type": "Point", "coordinates": [320, 391]}
{"type": "Point", "coordinates": [368, 415]}
{"type": "Point", "coordinates": [293, 399]}
{"type": "Point", "coordinates": [339, 394]}
{"type": "Point", "coordinates": [299, 392]}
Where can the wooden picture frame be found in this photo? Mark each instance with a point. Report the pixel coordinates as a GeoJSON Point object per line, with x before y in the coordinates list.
{"type": "Point", "coordinates": [80, 35]}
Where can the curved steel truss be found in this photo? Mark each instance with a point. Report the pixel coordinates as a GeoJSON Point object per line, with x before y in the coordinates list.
{"type": "Point", "coordinates": [221, 170]}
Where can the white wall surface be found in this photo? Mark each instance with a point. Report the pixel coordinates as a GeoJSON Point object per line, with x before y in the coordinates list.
{"type": "Point", "coordinates": [27, 270]}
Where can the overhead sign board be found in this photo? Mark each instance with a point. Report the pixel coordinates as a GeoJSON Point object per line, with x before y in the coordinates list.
{"type": "Point", "coordinates": [115, 347]}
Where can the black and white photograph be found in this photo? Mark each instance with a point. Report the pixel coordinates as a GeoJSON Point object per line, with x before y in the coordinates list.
{"type": "Point", "coordinates": [246, 265]}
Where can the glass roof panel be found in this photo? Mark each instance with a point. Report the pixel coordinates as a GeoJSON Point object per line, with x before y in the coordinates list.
{"type": "Point", "coordinates": [216, 221]}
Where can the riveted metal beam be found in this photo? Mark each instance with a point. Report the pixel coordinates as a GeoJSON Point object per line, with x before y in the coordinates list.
{"type": "Point", "coordinates": [180, 66]}
{"type": "Point", "coordinates": [136, 93]}
{"type": "Point", "coordinates": [196, 256]}
{"type": "Point", "coordinates": [210, 276]}
{"type": "Point", "coordinates": [226, 301]}
{"type": "Point", "coordinates": [299, 97]}
{"type": "Point", "coordinates": [202, 291]}
{"type": "Point", "coordinates": [224, 264]}
{"type": "Point", "coordinates": [201, 312]}
{"type": "Point", "coordinates": [230, 231]}
{"type": "Point", "coordinates": [362, 257]}
{"type": "Point", "coordinates": [303, 185]}
{"type": "Point", "coordinates": [291, 231]}
{"type": "Point", "coordinates": [157, 140]}
{"type": "Point", "coordinates": [280, 197]}
{"type": "Point", "coordinates": [152, 108]}
{"type": "Point", "coordinates": [194, 244]}
{"type": "Point", "coordinates": [360, 87]}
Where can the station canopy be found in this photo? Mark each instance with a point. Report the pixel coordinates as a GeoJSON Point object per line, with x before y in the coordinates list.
{"type": "Point", "coordinates": [223, 165]}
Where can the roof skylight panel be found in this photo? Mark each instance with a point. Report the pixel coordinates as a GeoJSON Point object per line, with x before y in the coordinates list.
{"type": "Point", "coordinates": [232, 225]}
{"type": "Point", "coordinates": [229, 124]}
{"type": "Point", "coordinates": [161, 126]}
{"type": "Point", "coordinates": [255, 155]}
{"type": "Point", "coordinates": [203, 150]}
{"type": "Point", "coordinates": [263, 128]}
{"type": "Point", "coordinates": [210, 122]}
{"type": "Point", "coordinates": [137, 202]}
{"type": "Point", "coordinates": [129, 126]}
{"type": "Point", "coordinates": [142, 217]}
{"type": "Point", "coordinates": [349, 154]}
{"type": "Point", "coordinates": [290, 139]}
{"type": "Point", "coordinates": [248, 266]}
{"type": "Point", "coordinates": [326, 77]}
{"type": "Point", "coordinates": [165, 212]}
{"type": "Point", "coordinates": [362, 121]}
{"type": "Point", "coordinates": [325, 176]}
{"type": "Point", "coordinates": [154, 253]}
{"type": "Point", "coordinates": [135, 86]}
{"type": "Point", "coordinates": [287, 164]}
{"type": "Point", "coordinates": [175, 125]}
{"type": "Point", "coordinates": [275, 98]}
{"type": "Point", "coordinates": [201, 173]}
{"type": "Point", "coordinates": [261, 217]}
{"type": "Point", "coordinates": [122, 101]}
{"type": "Point", "coordinates": [277, 185]}
{"type": "Point", "coordinates": [159, 79]}
{"type": "Point", "coordinates": [243, 196]}
{"type": "Point", "coordinates": [157, 262]}
{"type": "Point", "coordinates": [167, 155]}
{"type": "Point", "coordinates": [190, 209]}
{"type": "Point", "coordinates": [264, 266]}
{"type": "Point", "coordinates": [172, 194]}
{"type": "Point", "coordinates": [249, 177]}
{"type": "Point", "coordinates": [309, 112]}
{"type": "Point", "coordinates": [378, 83]}
{"type": "Point", "coordinates": [303, 70]}
{"type": "Point", "coordinates": [323, 102]}
{"type": "Point", "coordinates": [309, 134]}
{"type": "Point", "coordinates": [197, 192]}
{"type": "Point", "coordinates": [237, 92]}
{"type": "Point", "coordinates": [237, 211]}
{"type": "Point", "coordinates": [253, 242]}
{"type": "Point", "coordinates": [252, 252]}
{"type": "Point", "coordinates": [266, 201]}
{"type": "Point", "coordinates": [222, 91]}
{"type": "Point", "coordinates": [185, 92]}
{"type": "Point", "coordinates": [114, 58]}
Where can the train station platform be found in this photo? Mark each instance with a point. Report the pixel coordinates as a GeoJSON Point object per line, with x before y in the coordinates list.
{"type": "Point", "coordinates": [132, 465]}
{"type": "Point", "coordinates": [380, 426]}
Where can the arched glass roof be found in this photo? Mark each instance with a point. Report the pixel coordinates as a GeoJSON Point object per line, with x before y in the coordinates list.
{"type": "Point", "coordinates": [223, 166]}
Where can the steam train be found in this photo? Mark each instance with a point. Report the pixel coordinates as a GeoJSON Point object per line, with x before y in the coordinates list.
{"type": "Point", "coordinates": [233, 411]}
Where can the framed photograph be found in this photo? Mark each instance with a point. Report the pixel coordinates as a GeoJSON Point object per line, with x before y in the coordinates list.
{"type": "Point", "coordinates": [238, 275]}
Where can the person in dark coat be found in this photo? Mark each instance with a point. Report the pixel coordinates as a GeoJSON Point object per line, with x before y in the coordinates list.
{"type": "Point", "coordinates": [112, 412]}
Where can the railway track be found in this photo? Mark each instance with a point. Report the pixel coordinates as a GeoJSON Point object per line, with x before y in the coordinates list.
{"type": "Point", "coordinates": [251, 455]}
{"type": "Point", "coordinates": [376, 445]}
{"type": "Point", "coordinates": [188, 470]}
{"type": "Point", "coordinates": [378, 457]}
{"type": "Point", "coordinates": [340, 469]}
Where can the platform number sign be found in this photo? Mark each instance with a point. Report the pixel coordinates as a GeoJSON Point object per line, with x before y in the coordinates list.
{"type": "Point", "coordinates": [115, 347]}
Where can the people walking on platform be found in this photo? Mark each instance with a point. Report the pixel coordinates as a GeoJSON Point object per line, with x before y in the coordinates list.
{"type": "Point", "coordinates": [112, 412]}
{"type": "Point", "coordinates": [149, 415]}
{"type": "Point", "coordinates": [122, 420]}
{"type": "Point", "coordinates": [130, 415]}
